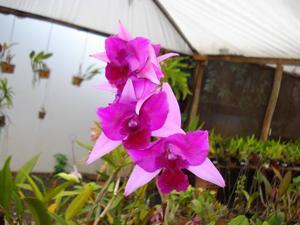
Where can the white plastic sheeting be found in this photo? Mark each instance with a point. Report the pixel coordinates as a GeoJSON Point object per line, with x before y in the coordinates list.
{"type": "Point", "coordinates": [141, 17]}
{"type": "Point", "coordinates": [264, 28]}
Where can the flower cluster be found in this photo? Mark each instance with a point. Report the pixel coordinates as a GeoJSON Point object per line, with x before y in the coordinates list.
{"type": "Point", "coordinates": [144, 110]}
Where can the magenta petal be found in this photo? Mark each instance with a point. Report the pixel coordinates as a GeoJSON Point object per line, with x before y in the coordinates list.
{"type": "Point", "coordinates": [172, 124]}
{"type": "Point", "coordinates": [138, 140]}
{"type": "Point", "coordinates": [101, 56]}
{"type": "Point", "coordinates": [116, 50]}
{"type": "Point", "coordinates": [102, 146]}
{"type": "Point", "coordinates": [149, 159]}
{"type": "Point", "coordinates": [156, 48]}
{"type": "Point", "coordinates": [105, 86]}
{"type": "Point", "coordinates": [192, 147]}
{"type": "Point", "coordinates": [207, 171]}
{"type": "Point", "coordinates": [155, 110]}
{"type": "Point", "coordinates": [172, 180]}
{"type": "Point", "coordinates": [158, 72]}
{"type": "Point", "coordinates": [167, 130]}
{"type": "Point", "coordinates": [116, 75]}
{"type": "Point", "coordinates": [143, 88]}
{"type": "Point", "coordinates": [128, 93]}
{"type": "Point", "coordinates": [113, 117]}
{"type": "Point", "coordinates": [166, 56]}
{"type": "Point", "coordinates": [138, 178]}
{"type": "Point", "coordinates": [138, 53]}
{"type": "Point", "coordinates": [123, 33]}
{"type": "Point", "coordinates": [148, 72]}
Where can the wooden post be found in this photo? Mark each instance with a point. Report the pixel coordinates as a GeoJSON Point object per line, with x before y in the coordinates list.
{"type": "Point", "coordinates": [272, 102]}
{"type": "Point", "coordinates": [199, 71]}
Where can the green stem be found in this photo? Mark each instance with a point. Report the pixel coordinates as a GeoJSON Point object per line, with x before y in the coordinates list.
{"type": "Point", "coordinates": [167, 211]}
{"type": "Point", "coordinates": [101, 194]}
{"type": "Point", "coordinates": [109, 203]}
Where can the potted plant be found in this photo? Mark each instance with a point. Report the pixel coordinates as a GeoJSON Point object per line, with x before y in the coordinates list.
{"type": "Point", "coordinates": [88, 74]}
{"type": "Point", "coordinates": [6, 94]}
{"type": "Point", "coordinates": [42, 113]}
{"type": "Point", "coordinates": [38, 65]}
{"type": "Point", "coordinates": [6, 58]}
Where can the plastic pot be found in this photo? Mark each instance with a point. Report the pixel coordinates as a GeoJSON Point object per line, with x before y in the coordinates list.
{"type": "Point", "coordinates": [44, 74]}
{"type": "Point", "coordinates": [77, 81]}
{"type": "Point", "coordinates": [7, 68]}
{"type": "Point", "coordinates": [42, 114]}
{"type": "Point", "coordinates": [2, 121]}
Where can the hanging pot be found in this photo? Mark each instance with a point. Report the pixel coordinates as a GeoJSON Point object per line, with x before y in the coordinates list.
{"type": "Point", "coordinates": [76, 80]}
{"type": "Point", "coordinates": [44, 74]}
{"type": "Point", "coordinates": [7, 67]}
{"type": "Point", "coordinates": [42, 114]}
{"type": "Point", "coordinates": [2, 121]}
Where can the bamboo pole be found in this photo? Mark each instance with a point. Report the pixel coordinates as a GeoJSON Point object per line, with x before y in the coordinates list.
{"type": "Point", "coordinates": [250, 60]}
{"type": "Point", "coordinates": [272, 102]}
{"type": "Point", "coordinates": [199, 71]}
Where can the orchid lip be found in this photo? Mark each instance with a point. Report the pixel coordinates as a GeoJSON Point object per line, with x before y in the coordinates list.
{"type": "Point", "coordinates": [133, 123]}
{"type": "Point", "coordinates": [169, 154]}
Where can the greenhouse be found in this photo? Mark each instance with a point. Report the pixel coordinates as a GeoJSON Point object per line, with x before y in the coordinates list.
{"type": "Point", "coordinates": [149, 112]}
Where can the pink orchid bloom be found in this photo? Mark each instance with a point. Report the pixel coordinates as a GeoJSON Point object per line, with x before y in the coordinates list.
{"type": "Point", "coordinates": [168, 157]}
{"type": "Point", "coordinates": [129, 57]}
{"type": "Point", "coordinates": [132, 122]}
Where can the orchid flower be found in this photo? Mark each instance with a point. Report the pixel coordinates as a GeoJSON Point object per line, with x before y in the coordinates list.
{"type": "Point", "coordinates": [132, 122]}
{"type": "Point", "coordinates": [167, 157]}
{"type": "Point", "coordinates": [129, 57]}
{"type": "Point", "coordinates": [144, 108]}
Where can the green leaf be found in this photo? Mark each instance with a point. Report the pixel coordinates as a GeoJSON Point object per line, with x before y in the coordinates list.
{"type": "Point", "coordinates": [267, 184]}
{"type": "Point", "coordinates": [26, 169]}
{"type": "Point", "coordinates": [38, 57]}
{"type": "Point", "coordinates": [68, 177]}
{"type": "Point", "coordinates": [284, 185]}
{"type": "Point", "coordinates": [32, 53]}
{"type": "Point", "coordinates": [276, 219]}
{"type": "Point", "coordinates": [55, 191]}
{"type": "Point", "coordinates": [177, 71]}
{"type": "Point", "coordinates": [239, 220]}
{"type": "Point", "coordinates": [38, 210]}
{"type": "Point", "coordinates": [85, 146]}
{"type": "Point", "coordinates": [59, 219]}
{"type": "Point", "coordinates": [18, 203]}
{"type": "Point", "coordinates": [77, 204]}
{"type": "Point", "coordinates": [26, 187]}
{"type": "Point", "coordinates": [6, 184]}
{"type": "Point", "coordinates": [35, 188]}
{"type": "Point", "coordinates": [109, 159]}
{"type": "Point", "coordinates": [46, 56]}
{"type": "Point", "coordinates": [253, 196]}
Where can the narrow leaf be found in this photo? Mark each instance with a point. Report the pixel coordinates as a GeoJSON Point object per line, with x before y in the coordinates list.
{"type": "Point", "coordinates": [284, 185]}
{"type": "Point", "coordinates": [38, 211]}
{"type": "Point", "coordinates": [35, 188]}
{"type": "Point", "coordinates": [55, 191]}
{"type": "Point", "coordinates": [6, 184]}
{"type": "Point", "coordinates": [78, 202]}
{"type": "Point", "coordinates": [26, 169]}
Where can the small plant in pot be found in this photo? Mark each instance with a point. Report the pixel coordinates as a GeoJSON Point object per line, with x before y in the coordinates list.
{"type": "Point", "coordinates": [38, 65]}
{"type": "Point", "coordinates": [42, 113]}
{"type": "Point", "coordinates": [6, 58]}
{"type": "Point", "coordinates": [6, 95]}
{"type": "Point", "coordinates": [88, 74]}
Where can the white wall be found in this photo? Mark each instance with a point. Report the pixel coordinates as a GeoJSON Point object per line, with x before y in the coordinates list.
{"type": "Point", "coordinates": [70, 110]}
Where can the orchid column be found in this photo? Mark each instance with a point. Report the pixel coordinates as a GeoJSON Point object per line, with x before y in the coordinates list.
{"type": "Point", "coordinates": [144, 108]}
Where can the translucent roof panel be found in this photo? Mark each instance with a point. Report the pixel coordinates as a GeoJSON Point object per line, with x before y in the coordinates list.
{"type": "Point", "coordinates": [261, 28]}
